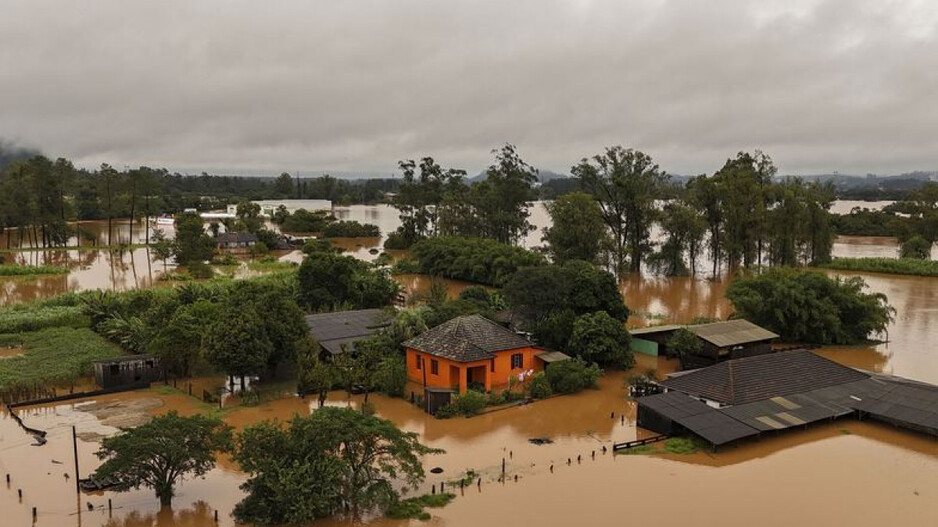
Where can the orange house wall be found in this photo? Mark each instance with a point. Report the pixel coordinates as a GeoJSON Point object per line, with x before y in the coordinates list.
{"type": "Point", "coordinates": [444, 379]}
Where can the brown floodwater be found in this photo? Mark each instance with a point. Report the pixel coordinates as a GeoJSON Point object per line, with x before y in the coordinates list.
{"type": "Point", "coordinates": [881, 471]}
{"type": "Point", "coordinates": [845, 472]}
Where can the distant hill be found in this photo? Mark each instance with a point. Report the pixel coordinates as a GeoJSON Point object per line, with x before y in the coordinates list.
{"type": "Point", "coordinates": [543, 176]}
{"type": "Point", "coordinates": [11, 153]}
{"type": "Point", "coordinates": [907, 181]}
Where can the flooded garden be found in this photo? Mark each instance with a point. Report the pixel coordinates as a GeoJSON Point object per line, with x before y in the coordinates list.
{"type": "Point", "coordinates": [842, 472]}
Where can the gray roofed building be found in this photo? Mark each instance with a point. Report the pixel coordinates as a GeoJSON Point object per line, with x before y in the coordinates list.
{"type": "Point", "coordinates": [467, 339]}
{"type": "Point", "coordinates": [731, 333]}
{"type": "Point", "coordinates": [340, 330]}
{"type": "Point", "coordinates": [762, 377]}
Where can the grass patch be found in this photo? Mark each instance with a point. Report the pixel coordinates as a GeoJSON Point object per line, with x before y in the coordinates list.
{"type": "Point", "coordinates": [33, 317]}
{"type": "Point", "coordinates": [413, 508]}
{"type": "Point", "coordinates": [272, 266]}
{"type": "Point", "coordinates": [468, 479]}
{"type": "Point", "coordinates": [682, 445]}
{"type": "Point", "coordinates": [905, 266]}
{"type": "Point", "coordinates": [53, 356]}
{"type": "Point", "coordinates": [639, 450]}
{"type": "Point", "coordinates": [31, 270]}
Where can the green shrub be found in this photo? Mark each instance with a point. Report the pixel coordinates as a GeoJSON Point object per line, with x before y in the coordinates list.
{"type": "Point", "coordinates": [539, 386]}
{"type": "Point", "coordinates": [682, 445]}
{"type": "Point", "coordinates": [571, 376]}
{"type": "Point", "coordinates": [199, 270]}
{"type": "Point", "coordinates": [405, 266]}
{"type": "Point", "coordinates": [225, 259]}
{"type": "Point", "coordinates": [351, 229]}
{"type": "Point", "coordinates": [413, 508]}
{"type": "Point", "coordinates": [396, 242]}
{"type": "Point", "coordinates": [466, 404]}
{"type": "Point", "coordinates": [477, 260]}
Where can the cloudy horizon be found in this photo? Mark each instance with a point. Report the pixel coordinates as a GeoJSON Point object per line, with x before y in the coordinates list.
{"type": "Point", "coordinates": [244, 87]}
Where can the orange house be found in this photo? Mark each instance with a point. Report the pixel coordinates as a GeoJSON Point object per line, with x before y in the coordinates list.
{"type": "Point", "coordinates": [472, 350]}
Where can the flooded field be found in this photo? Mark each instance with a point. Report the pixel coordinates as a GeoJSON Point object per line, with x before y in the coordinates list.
{"type": "Point", "coordinates": [845, 472]}
{"type": "Point", "coordinates": [880, 472]}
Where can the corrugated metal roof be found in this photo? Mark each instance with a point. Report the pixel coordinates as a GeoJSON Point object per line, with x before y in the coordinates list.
{"type": "Point", "coordinates": [731, 333]}
{"type": "Point", "coordinates": [701, 419]}
{"type": "Point", "coordinates": [552, 356]}
{"type": "Point", "coordinates": [332, 330]}
{"type": "Point", "coordinates": [655, 329]}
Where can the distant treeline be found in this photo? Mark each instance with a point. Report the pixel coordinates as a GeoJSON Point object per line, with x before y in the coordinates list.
{"type": "Point", "coordinates": [40, 197]}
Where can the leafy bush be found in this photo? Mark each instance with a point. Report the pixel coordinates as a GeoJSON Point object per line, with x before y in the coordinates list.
{"type": "Point", "coordinates": [31, 270]}
{"type": "Point", "coordinates": [351, 229]}
{"type": "Point", "coordinates": [906, 266]}
{"type": "Point", "coordinates": [916, 247]}
{"type": "Point", "coordinates": [597, 337]}
{"type": "Point", "coordinates": [396, 242]}
{"type": "Point", "coordinates": [466, 404]}
{"type": "Point", "coordinates": [571, 376]}
{"type": "Point", "coordinates": [683, 342]}
{"type": "Point", "coordinates": [539, 386]}
{"type": "Point", "coordinates": [31, 317]}
{"type": "Point", "coordinates": [478, 260]}
{"type": "Point", "coordinates": [199, 269]}
{"type": "Point", "coordinates": [224, 259]}
{"type": "Point", "coordinates": [391, 377]}
{"type": "Point", "coordinates": [413, 508]}
{"type": "Point", "coordinates": [405, 266]}
{"type": "Point", "coordinates": [809, 306]}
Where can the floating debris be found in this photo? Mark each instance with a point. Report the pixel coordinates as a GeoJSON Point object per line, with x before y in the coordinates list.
{"type": "Point", "coordinates": [540, 441]}
{"type": "Point", "coordinates": [436, 470]}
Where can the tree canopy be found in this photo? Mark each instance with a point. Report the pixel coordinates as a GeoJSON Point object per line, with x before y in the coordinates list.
{"type": "Point", "coordinates": [162, 452]}
{"type": "Point", "coordinates": [809, 306]}
{"type": "Point", "coordinates": [333, 460]}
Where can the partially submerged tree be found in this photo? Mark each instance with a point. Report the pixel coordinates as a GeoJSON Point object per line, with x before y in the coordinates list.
{"type": "Point", "coordinates": [682, 343]}
{"type": "Point", "coordinates": [577, 231]}
{"type": "Point", "coordinates": [162, 453]}
{"type": "Point", "coordinates": [334, 460]}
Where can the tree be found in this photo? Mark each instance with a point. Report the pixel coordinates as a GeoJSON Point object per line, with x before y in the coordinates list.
{"type": "Point", "coordinates": [335, 459]}
{"type": "Point", "coordinates": [162, 248]}
{"type": "Point", "coordinates": [571, 376]}
{"type": "Point", "coordinates": [916, 247]}
{"type": "Point", "coordinates": [683, 343]}
{"type": "Point", "coordinates": [178, 342]}
{"type": "Point", "coordinates": [249, 216]}
{"type": "Point", "coordinates": [684, 229]}
{"type": "Point", "coordinates": [810, 307]}
{"type": "Point", "coordinates": [419, 197]}
{"type": "Point", "coordinates": [192, 243]}
{"type": "Point", "coordinates": [237, 343]}
{"type": "Point", "coordinates": [626, 183]}
{"type": "Point", "coordinates": [502, 200]}
{"type": "Point", "coordinates": [327, 280]}
{"type": "Point", "coordinates": [597, 337]}
{"type": "Point", "coordinates": [577, 231]}
{"type": "Point", "coordinates": [162, 452]}
{"type": "Point", "coordinates": [314, 375]}
{"type": "Point", "coordinates": [284, 185]}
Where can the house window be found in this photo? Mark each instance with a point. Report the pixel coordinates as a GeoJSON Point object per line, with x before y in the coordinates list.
{"type": "Point", "coordinates": [434, 367]}
{"type": "Point", "coordinates": [492, 367]}
{"type": "Point", "coordinates": [517, 360]}
{"type": "Point", "coordinates": [419, 361]}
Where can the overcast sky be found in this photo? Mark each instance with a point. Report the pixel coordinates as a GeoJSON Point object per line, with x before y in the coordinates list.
{"type": "Point", "coordinates": [356, 85]}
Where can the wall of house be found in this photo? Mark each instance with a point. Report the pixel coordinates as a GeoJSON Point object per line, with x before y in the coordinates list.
{"type": "Point", "coordinates": [497, 370]}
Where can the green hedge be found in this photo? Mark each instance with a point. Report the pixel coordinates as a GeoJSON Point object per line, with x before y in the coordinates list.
{"type": "Point", "coordinates": [31, 270]}
{"type": "Point", "coordinates": [907, 266]}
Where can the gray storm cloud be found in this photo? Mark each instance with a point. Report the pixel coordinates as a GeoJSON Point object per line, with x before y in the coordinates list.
{"type": "Point", "coordinates": [356, 85]}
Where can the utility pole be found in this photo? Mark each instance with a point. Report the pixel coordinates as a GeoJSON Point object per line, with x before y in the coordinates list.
{"type": "Point", "coordinates": [75, 451]}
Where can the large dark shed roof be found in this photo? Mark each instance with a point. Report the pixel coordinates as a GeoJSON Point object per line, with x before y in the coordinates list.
{"type": "Point", "coordinates": [705, 421]}
{"type": "Point", "coordinates": [467, 339]}
{"type": "Point", "coordinates": [751, 379]}
{"type": "Point", "coordinates": [333, 330]}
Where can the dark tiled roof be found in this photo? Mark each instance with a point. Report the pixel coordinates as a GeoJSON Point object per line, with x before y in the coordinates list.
{"type": "Point", "coordinates": [762, 377]}
{"type": "Point", "coordinates": [731, 333]}
{"type": "Point", "coordinates": [466, 339]}
{"type": "Point", "coordinates": [236, 237]}
{"type": "Point", "coordinates": [332, 330]}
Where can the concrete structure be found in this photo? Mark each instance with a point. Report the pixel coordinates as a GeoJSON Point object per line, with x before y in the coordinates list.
{"type": "Point", "coordinates": [127, 371]}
